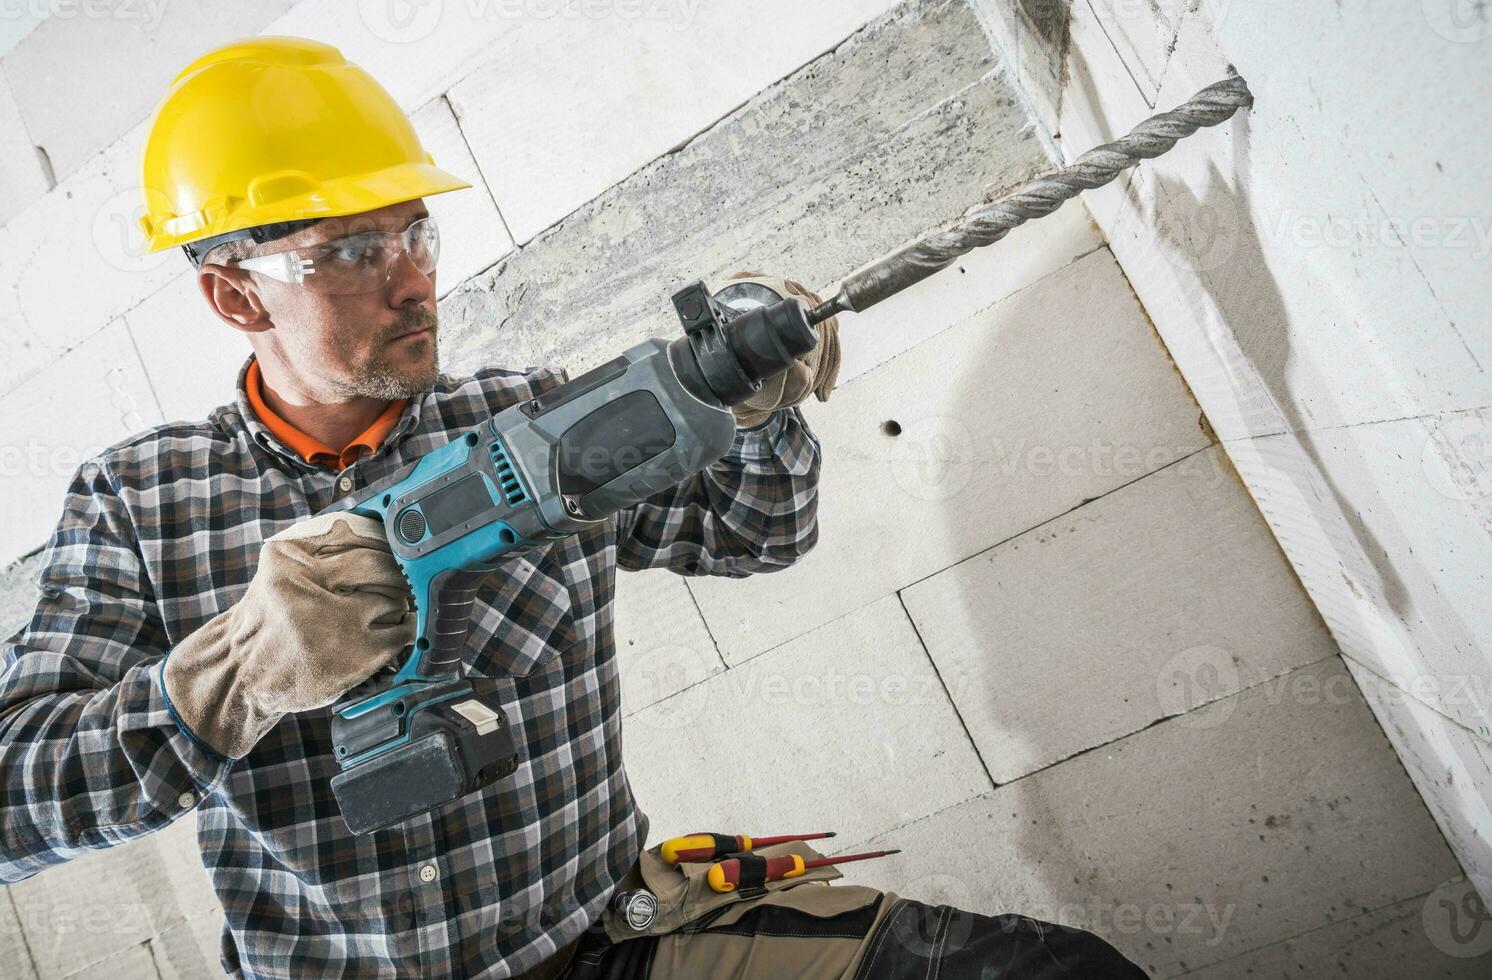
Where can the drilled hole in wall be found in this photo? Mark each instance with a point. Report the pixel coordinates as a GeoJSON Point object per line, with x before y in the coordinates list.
{"type": "Point", "coordinates": [891, 427]}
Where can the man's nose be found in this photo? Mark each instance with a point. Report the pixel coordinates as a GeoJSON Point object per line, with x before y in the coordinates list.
{"type": "Point", "coordinates": [407, 284]}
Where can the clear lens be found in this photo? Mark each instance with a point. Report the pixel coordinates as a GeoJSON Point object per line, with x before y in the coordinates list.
{"type": "Point", "coordinates": [363, 262]}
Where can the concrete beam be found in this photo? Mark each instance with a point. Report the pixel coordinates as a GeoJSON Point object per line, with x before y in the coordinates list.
{"type": "Point", "coordinates": [810, 179]}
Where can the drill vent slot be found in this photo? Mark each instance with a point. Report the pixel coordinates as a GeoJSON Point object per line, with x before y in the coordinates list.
{"type": "Point", "coordinates": [507, 477]}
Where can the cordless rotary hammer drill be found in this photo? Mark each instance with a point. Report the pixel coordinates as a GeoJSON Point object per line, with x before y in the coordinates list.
{"type": "Point", "coordinates": [536, 471]}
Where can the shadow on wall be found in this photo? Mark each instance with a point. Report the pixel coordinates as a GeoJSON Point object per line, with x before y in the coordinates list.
{"type": "Point", "coordinates": [1238, 305]}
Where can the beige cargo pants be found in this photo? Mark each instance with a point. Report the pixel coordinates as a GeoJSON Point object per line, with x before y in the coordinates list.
{"type": "Point", "coordinates": [807, 928]}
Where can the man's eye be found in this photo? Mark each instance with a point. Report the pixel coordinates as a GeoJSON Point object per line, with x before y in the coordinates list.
{"type": "Point", "coordinates": [354, 253]}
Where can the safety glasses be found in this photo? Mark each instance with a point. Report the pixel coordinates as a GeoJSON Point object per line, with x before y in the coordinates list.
{"type": "Point", "coordinates": [356, 263]}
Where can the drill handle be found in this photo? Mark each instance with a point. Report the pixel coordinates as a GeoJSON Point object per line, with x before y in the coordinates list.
{"type": "Point", "coordinates": [442, 621]}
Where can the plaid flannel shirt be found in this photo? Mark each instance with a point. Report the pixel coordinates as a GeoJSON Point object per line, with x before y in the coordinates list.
{"type": "Point", "coordinates": [161, 532]}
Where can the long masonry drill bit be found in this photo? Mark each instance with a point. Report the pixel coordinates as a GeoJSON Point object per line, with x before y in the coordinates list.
{"type": "Point", "coordinates": [987, 223]}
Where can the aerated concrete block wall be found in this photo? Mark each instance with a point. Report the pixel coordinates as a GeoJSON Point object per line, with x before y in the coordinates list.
{"type": "Point", "coordinates": [1321, 271]}
{"type": "Point", "coordinates": [1045, 624]}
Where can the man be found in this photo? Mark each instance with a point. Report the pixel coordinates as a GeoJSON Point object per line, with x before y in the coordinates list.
{"type": "Point", "coordinates": [196, 621]}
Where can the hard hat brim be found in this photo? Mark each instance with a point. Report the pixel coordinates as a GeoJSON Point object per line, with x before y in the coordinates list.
{"type": "Point", "coordinates": [334, 198]}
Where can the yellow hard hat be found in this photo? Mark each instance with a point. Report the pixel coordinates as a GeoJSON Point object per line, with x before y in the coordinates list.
{"type": "Point", "coordinates": [277, 132]}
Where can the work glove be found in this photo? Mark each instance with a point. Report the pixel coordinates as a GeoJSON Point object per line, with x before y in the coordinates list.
{"type": "Point", "coordinates": [327, 607]}
{"type": "Point", "coordinates": [812, 372]}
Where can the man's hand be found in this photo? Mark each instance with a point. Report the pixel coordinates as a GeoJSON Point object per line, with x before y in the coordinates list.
{"type": "Point", "coordinates": [813, 372]}
{"type": "Point", "coordinates": [326, 608]}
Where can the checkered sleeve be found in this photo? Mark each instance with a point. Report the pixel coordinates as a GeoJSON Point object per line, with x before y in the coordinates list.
{"type": "Point", "coordinates": [753, 510]}
{"type": "Point", "coordinates": [89, 754]}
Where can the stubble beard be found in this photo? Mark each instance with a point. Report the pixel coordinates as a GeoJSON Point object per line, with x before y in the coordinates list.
{"type": "Point", "coordinates": [380, 378]}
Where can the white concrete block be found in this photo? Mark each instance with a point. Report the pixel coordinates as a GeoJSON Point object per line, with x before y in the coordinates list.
{"type": "Point", "coordinates": [15, 958]}
{"type": "Point", "coordinates": [1450, 765]}
{"type": "Point", "coordinates": [415, 50]}
{"type": "Point", "coordinates": [188, 885]}
{"type": "Point", "coordinates": [24, 350]}
{"type": "Point", "coordinates": [90, 72]}
{"type": "Point", "coordinates": [1291, 292]}
{"type": "Point", "coordinates": [1384, 944]}
{"type": "Point", "coordinates": [94, 396]}
{"type": "Point", "coordinates": [134, 963]}
{"type": "Point", "coordinates": [96, 907]}
{"type": "Point", "coordinates": [663, 645]}
{"type": "Point", "coordinates": [844, 729]}
{"type": "Point", "coordinates": [17, 24]}
{"type": "Point", "coordinates": [1385, 198]}
{"type": "Point", "coordinates": [1392, 545]}
{"type": "Point", "coordinates": [1166, 594]}
{"type": "Point", "coordinates": [548, 138]}
{"type": "Point", "coordinates": [982, 278]}
{"type": "Point", "coordinates": [472, 235]}
{"type": "Point", "coordinates": [73, 261]}
{"type": "Point", "coordinates": [1056, 395]}
{"type": "Point", "coordinates": [191, 949]}
{"type": "Point", "coordinates": [22, 177]}
{"type": "Point", "coordinates": [1187, 844]}
{"type": "Point", "coordinates": [190, 356]}
{"type": "Point", "coordinates": [1142, 32]}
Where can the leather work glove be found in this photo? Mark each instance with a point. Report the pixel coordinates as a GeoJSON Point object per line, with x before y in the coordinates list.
{"type": "Point", "coordinates": [812, 372]}
{"type": "Point", "coordinates": [327, 607]}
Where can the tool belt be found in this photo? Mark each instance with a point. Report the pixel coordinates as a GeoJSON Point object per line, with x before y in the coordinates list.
{"type": "Point", "coordinates": [806, 929]}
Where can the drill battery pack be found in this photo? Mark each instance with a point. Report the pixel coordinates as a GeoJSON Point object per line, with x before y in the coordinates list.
{"type": "Point", "coordinates": [400, 759]}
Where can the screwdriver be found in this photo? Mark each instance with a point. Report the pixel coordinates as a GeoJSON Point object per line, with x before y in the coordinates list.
{"type": "Point", "coordinates": [707, 847]}
{"type": "Point", "coordinates": [727, 875]}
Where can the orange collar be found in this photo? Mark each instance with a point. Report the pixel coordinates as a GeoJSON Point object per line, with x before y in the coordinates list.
{"type": "Point", "coordinates": [311, 449]}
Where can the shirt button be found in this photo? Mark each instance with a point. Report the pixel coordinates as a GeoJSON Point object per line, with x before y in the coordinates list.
{"type": "Point", "coordinates": [345, 484]}
{"type": "Point", "coordinates": [185, 800]}
{"type": "Point", "coordinates": [428, 873]}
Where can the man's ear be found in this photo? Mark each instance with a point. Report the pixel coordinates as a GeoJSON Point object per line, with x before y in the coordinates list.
{"type": "Point", "coordinates": [231, 294]}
